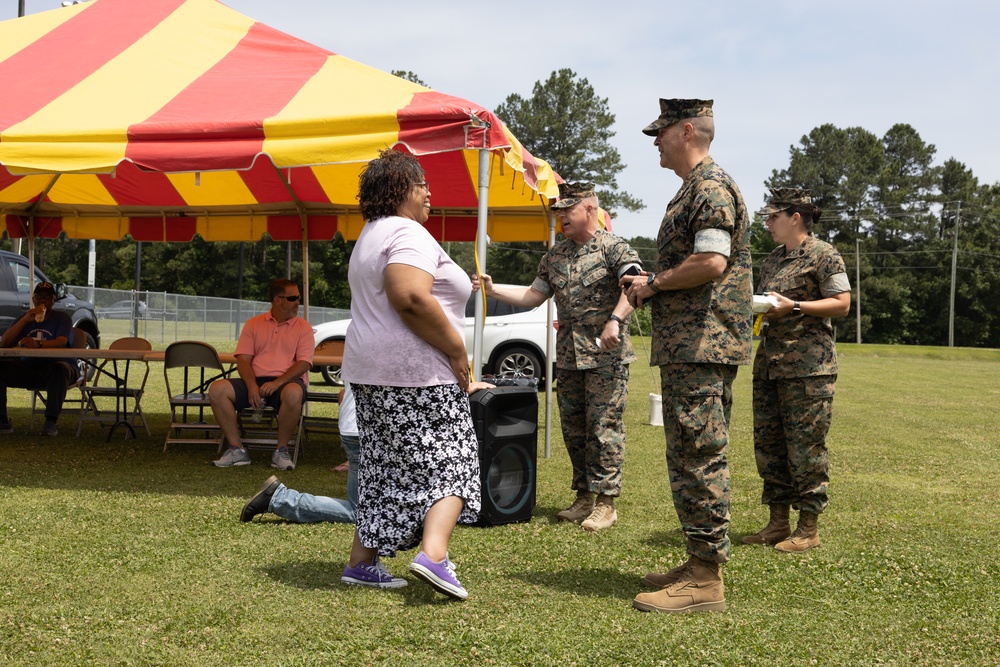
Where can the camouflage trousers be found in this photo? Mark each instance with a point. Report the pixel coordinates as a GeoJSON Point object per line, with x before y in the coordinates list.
{"type": "Point", "coordinates": [791, 418]}
{"type": "Point", "coordinates": [697, 402]}
{"type": "Point", "coordinates": [591, 407]}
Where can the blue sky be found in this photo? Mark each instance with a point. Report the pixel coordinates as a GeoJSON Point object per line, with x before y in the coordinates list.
{"type": "Point", "coordinates": [776, 69]}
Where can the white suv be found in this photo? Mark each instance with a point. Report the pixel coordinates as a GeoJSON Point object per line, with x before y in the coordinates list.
{"type": "Point", "coordinates": [513, 339]}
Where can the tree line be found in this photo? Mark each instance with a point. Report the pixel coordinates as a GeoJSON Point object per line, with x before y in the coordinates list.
{"type": "Point", "coordinates": [899, 220]}
{"type": "Point", "coordinates": [906, 226]}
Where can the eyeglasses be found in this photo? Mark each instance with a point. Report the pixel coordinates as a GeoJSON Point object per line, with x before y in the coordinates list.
{"type": "Point", "coordinates": [422, 184]}
{"type": "Point", "coordinates": [293, 298]}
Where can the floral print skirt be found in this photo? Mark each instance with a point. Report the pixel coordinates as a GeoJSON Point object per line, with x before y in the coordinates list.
{"type": "Point", "coordinates": [417, 447]}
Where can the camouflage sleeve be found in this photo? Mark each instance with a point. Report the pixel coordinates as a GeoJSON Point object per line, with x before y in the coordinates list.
{"type": "Point", "coordinates": [620, 256]}
{"type": "Point", "coordinates": [541, 281]}
{"type": "Point", "coordinates": [832, 274]}
{"type": "Point", "coordinates": [714, 208]}
{"type": "Point", "coordinates": [540, 285]}
{"type": "Point", "coordinates": [713, 240]}
{"type": "Point", "coordinates": [838, 283]}
{"type": "Point", "coordinates": [830, 263]}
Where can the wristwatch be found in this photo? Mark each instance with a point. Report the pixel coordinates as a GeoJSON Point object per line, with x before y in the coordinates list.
{"type": "Point", "coordinates": [616, 319]}
{"type": "Point", "coordinates": [652, 285]}
{"type": "Point", "coordinates": [796, 307]}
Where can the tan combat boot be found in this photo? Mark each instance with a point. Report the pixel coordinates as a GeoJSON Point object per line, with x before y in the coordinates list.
{"type": "Point", "coordinates": [580, 509]}
{"type": "Point", "coordinates": [699, 588]}
{"type": "Point", "coordinates": [806, 535]}
{"type": "Point", "coordinates": [663, 579]}
{"type": "Point", "coordinates": [604, 515]}
{"type": "Point", "coordinates": [776, 530]}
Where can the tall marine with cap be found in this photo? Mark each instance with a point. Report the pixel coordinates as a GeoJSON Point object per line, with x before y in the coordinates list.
{"type": "Point", "coordinates": [700, 301]}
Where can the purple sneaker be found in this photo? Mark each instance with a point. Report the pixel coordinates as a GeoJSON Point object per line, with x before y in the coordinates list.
{"type": "Point", "coordinates": [371, 575]}
{"type": "Point", "coordinates": [439, 575]}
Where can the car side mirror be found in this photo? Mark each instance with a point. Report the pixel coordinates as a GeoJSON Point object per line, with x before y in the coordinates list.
{"type": "Point", "coordinates": [61, 291]}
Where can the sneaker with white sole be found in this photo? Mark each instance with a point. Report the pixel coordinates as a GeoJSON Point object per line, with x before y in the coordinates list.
{"type": "Point", "coordinates": [281, 460]}
{"type": "Point", "coordinates": [6, 427]}
{"type": "Point", "coordinates": [441, 576]}
{"type": "Point", "coordinates": [234, 456]}
{"type": "Point", "coordinates": [374, 575]}
{"type": "Point", "coordinates": [49, 428]}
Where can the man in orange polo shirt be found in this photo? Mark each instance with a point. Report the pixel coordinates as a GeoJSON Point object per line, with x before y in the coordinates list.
{"type": "Point", "coordinates": [273, 355]}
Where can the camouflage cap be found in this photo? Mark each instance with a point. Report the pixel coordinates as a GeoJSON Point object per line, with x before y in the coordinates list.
{"type": "Point", "coordinates": [672, 111]}
{"type": "Point", "coordinates": [571, 194]}
{"type": "Point", "coordinates": [45, 288]}
{"type": "Point", "coordinates": [782, 199]}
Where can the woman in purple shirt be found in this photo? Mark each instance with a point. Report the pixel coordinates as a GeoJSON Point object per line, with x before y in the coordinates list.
{"type": "Point", "coordinates": [406, 360]}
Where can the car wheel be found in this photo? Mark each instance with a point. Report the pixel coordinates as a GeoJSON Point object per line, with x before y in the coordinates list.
{"type": "Point", "coordinates": [331, 375]}
{"type": "Point", "coordinates": [518, 362]}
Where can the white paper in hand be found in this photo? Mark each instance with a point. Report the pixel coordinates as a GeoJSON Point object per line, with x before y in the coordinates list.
{"type": "Point", "coordinates": [762, 304]}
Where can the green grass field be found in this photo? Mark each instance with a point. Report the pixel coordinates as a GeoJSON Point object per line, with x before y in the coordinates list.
{"type": "Point", "coordinates": [120, 554]}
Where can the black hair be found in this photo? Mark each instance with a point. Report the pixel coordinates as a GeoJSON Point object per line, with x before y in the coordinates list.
{"type": "Point", "coordinates": [808, 212]}
{"type": "Point", "coordinates": [386, 183]}
{"type": "Point", "coordinates": [279, 285]}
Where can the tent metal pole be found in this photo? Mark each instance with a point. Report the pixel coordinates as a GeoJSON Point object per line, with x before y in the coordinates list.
{"type": "Point", "coordinates": [550, 352]}
{"type": "Point", "coordinates": [31, 260]}
{"type": "Point", "coordinates": [481, 230]}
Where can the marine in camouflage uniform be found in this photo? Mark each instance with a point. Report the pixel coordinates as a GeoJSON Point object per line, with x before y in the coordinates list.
{"type": "Point", "coordinates": [592, 380]}
{"type": "Point", "coordinates": [700, 335]}
{"type": "Point", "coordinates": [795, 368]}
{"type": "Point", "coordinates": [700, 300]}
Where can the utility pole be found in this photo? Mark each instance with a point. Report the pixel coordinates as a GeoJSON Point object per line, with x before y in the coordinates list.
{"type": "Point", "coordinates": [954, 271]}
{"type": "Point", "coordinates": [857, 284]}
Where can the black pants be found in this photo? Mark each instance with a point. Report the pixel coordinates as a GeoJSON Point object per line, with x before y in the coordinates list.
{"type": "Point", "coordinates": [52, 376]}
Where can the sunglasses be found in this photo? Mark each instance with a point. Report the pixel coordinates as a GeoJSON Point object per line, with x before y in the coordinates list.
{"type": "Point", "coordinates": [293, 298]}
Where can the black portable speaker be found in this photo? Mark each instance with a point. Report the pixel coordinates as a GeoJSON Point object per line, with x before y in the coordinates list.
{"type": "Point", "coordinates": [506, 423]}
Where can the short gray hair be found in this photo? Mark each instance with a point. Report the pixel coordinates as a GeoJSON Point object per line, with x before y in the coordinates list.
{"type": "Point", "coordinates": [704, 129]}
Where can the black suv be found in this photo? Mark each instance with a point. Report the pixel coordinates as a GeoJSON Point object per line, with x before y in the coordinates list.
{"type": "Point", "coordinates": [15, 298]}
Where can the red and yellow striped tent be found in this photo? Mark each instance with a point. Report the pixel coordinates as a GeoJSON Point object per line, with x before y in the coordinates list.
{"type": "Point", "coordinates": [163, 119]}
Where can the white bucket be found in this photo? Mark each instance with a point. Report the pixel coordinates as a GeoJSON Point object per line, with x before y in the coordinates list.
{"type": "Point", "coordinates": [655, 410]}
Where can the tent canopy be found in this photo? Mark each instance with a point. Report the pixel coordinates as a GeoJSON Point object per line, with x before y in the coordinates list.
{"type": "Point", "coordinates": [163, 119]}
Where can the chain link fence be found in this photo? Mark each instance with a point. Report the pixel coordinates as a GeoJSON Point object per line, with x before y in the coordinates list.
{"type": "Point", "coordinates": [161, 317]}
